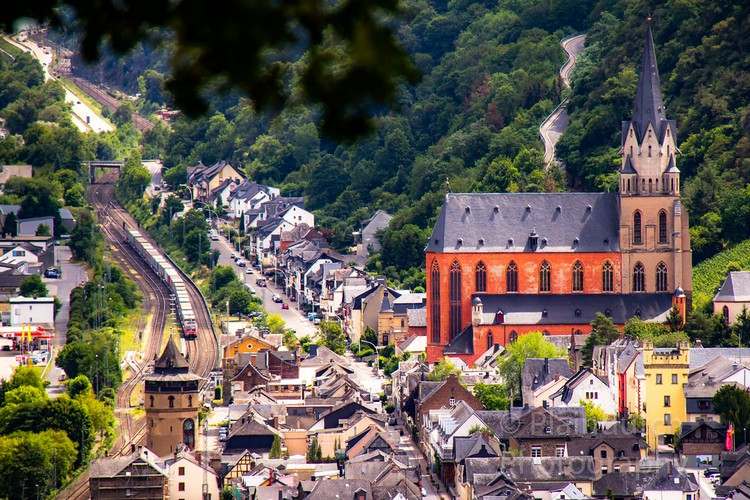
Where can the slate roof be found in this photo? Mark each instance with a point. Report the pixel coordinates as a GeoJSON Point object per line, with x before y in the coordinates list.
{"type": "Point", "coordinates": [566, 391]}
{"type": "Point", "coordinates": [537, 470]}
{"type": "Point", "coordinates": [416, 317]}
{"type": "Point", "coordinates": [533, 309]}
{"type": "Point", "coordinates": [476, 445]}
{"type": "Point", "coordinates": [504, 423]}
{"type": "Point", "coordinates": [538, 372]}
{"type": "Point", "coordinates": [624, 445]}
{"type": "Point", "coordinates": [172, 365]}
{"type": "Point", "coordinates": [736, 288]}
{"type": "Point", "coordinates": [339, 489]}
{"type": "Point", "coordinates": [502, 222]}
{"type": "Point", "coordinates": [688, 427]}
{"type": "Point", "coordinates": [699, 356]}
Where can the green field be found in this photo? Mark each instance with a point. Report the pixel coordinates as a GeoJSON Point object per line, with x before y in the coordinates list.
{"type": "Point", "coordinates": [709, 274]}
{"type": "Point", "coordinates": [9, 48]}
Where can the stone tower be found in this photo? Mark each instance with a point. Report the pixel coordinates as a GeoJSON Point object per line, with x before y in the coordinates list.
{"type": "Point", "coordinates": [654, 237]}
{"type": "Point", "coordinates": [172, 400]}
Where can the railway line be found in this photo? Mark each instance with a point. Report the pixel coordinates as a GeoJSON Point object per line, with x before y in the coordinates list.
{"type": "Point", "coordinates": [202, 353]}
{"type": "Point", "coordinates": [110, 102]}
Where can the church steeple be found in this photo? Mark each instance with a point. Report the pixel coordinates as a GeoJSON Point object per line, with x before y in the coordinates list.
{"type": "Point", "coordinates": [649, 138]}
{"type": "Point", "coordinates": [648, 107]}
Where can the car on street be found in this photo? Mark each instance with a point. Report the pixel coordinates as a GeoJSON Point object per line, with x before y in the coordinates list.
{"type": "Point", "coordinates": [213, 235]}
{"type": "Point", "coordinates": [715, 478]}
{"type": "Point", "coordinates": [276, 298]}
{"type": "Point", "coordinates": [285, 305]}
{"type": "Point", "coordinates": [53, 273]}
{"type": "Point", "coordinates": [260, 282]}
{"type": "Point", "coordinates": [241, 262]}
{"type": "Point", "coordinates": [709, 471]}
{"type": "Point", "coordinates": [234, 256]}
{"type": "Point", "coordinates": [249, 270]}
{"type": "Point", "coordinates": [157, 187]}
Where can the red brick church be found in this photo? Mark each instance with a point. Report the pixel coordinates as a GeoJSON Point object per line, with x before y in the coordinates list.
{"type": "Point", "coordinates": [500, 265]}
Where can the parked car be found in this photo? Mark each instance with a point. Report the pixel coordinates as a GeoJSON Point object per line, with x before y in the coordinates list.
{"type": "Point", "coordinates": [709, 471]}
{"type": "Point", "coordinates": [285, 305]}
{"type": "Point", "coordinates": [53, 273]}
{"type": "Point", "coordinates": [276, 298]}
{"type": "Point", "coordinates": [260, 282]}
{"type": "Point", "coordinates": [241, 262]}
{"type": "Point", "coordinates": [249, 270]}
{"type": "Point", "coordinates": [213, 235]}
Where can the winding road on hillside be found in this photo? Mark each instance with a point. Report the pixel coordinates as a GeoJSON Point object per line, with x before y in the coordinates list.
{"type": "Point", "coordinates": [84, 117]}
{"type": "Point", "coordinates": [553, 127]}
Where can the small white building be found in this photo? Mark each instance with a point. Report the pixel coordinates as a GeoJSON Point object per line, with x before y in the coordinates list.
{"type": "Point", "coordinates": [187, 477]}
{"type": "Point", "coordinates": [22, 252]}
{"type": "Point", "coordinates": [34, 311]}
{"type": "Point", "coordinates": [733, 296]}
{"type": "Point", "coordinates": [582, 387]}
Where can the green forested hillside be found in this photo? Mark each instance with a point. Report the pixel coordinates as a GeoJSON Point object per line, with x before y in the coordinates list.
{"type": "Point", "coordinates": [704, 61]}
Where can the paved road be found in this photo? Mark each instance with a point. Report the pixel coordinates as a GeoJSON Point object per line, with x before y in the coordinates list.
{"type": "Point", "coordinates": [553, 127]}
{"type": "Point", "coordinates": [407, 445]}
{"type": "Point", "coordinates": [707, 489]}
{"type": "Point", "coordinates": [84, 117]}
{"type": "Point", "coordinates": [73, 274]}
{"type": "Point", "coordinates": [293, 318]}
{"type": "Point", "coordinates": [154, 167]}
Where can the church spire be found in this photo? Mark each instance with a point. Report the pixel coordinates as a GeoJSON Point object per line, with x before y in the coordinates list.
{"type": "Point", "coordinates": [648, 106]}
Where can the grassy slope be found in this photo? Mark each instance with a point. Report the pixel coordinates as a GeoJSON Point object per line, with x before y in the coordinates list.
{"type": "Point", "coordinates": [709, 274]}
{"type": "Point", "coordinates": [8, 47]}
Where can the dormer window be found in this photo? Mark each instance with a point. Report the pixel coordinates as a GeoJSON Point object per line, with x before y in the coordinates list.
{"type": "Point", "coordinates": [496, 209]}
{"type": "Point", "coordinates": [452, 402]}
{"type": "Point", "coordinates": [467, 210]}
{"type": "Point", "coordinates": [544, 313]}
{"type": "Point", "coordinates": [500, 318]}
{"type": "Point", "coordinates": [548, 430]}
{"type": "Point", "coordinates": [577, 313]}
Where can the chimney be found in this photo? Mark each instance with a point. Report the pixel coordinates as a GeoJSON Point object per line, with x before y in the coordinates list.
{"type": "Point", "coordinates": [546, 365]}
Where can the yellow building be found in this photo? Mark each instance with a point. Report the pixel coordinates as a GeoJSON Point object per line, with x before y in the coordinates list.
{"type": "Point", "coordinates": [665, 376]}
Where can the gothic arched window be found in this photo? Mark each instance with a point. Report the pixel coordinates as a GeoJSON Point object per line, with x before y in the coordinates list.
{"type": "Point", "coordinates": [511, 277]}
{"type": "Point", "coordinates": [455, 299]}
{"type": "Point", "coordinates": [662, 227]}
{"type": "Point", "coordinates": [171, 401]}
{"type": "Point", "coordinates": [578, 276]}
{"type": "Point", "coordinates": [481, 277]}
{"type": "Point", "coordinates": [188, 433]}
{"type": "Point", "coordinates": [435, 306]}
{"type": "Point", "coordinates": [544, 277]}
{"type": "Point", "coordinates": [490, 341]}
{"type": "Point", "coordinates": [661, 277]}
{"type": "Point", "coordinates": [637, 234]}
{"type": "Point", "coordinates": [639, 278]}
{"type": "Point", "coordinates": [725, 314]}
{"type": "Point", "coordinates": [608, 280]}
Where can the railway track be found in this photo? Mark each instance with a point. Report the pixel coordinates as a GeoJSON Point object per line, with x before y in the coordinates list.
{"type": "Point", "coordinates": [111, 103]}
{"type": "Point", "coordinates": [202, 353]}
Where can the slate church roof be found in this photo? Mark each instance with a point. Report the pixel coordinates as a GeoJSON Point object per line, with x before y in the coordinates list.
{"type": "Point", "coordinates": [736, 288]}
{"type": "Point", "coordinates": [503, 222]}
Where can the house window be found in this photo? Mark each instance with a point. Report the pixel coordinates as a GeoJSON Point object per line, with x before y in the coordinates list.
{"type": "Point", "coordinates": [608, 275]}
{"type": "Point", "coordinates": [662, 227]}
{"type": "Point", "coordinates": [578, 276]}
{"type": "Point", "coordinates": [725, 314]}
{"type": "Point", "coordinates": [658, 378]}
{"type": "Point", "coordinates": [151, 400]}
{"type": "Point", "coordinates": [190, 400]}
{"type": "Point", "coordinates": [661, 277]}
{"type": "Point", "coordinates": [667, 401]}
{"type": "Point", "coordinates": [536, 451]}
{"type": "Point", "coordinates": [19, 253]}
{"type": "Point", "coordinates": [171, 401]}
{"type": "Point", "coordinates": [490, 341]}
{"type": "Point", "coordinates": [455, 299]}
{"type": "Point", "coordinates": [544, 277]}
{"type": "Point", "coordinates": [435, 311]}
{"type": "Point", "coordinates": [481, 277]}
{"type": "Point", "coordinates": [674, 378]}
{"type": "Point", "coordinates": [603, 453]}
{"type": "Point", "coordinates": [667, 419]}
{"type": "Point", "coordinates": [181, 471]}
{"type": "Point", "coordinates": [604, 469]}
{"type": "Point", "coordinates": [639, 280]}
{"type": "Point", "coordinates": [637, 236]}
{"type": "Point", "coordinates": [511, 277]}
{"type": "Point", "coordinates": [560, 451]}
{"type": "Point", "coordinates": [451, 401]}
{"type": "Point", "coordinates": [181, 486]}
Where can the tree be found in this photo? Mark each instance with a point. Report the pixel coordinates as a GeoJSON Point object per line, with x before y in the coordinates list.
{"type": "Point", "coordinates": [603, 332]}
{"type": "Point", "coordinates": [275, 447]}
{"type": "Point", "coordinates": [594, 415]}
{"type": "Point", "coordinates": [492, 396]}
{"type": "Point", "coordinates": [43, 230]}
{"type": "Point", "coordinates": [275, 323]}
{"type": "Point", "coordinates": [79, 385]}
{"type": "Point", "coordinates": [10, 225]}
{"type": "Point", "coordinates": [314, 453]}
{"type": "Point", "coordinates": [531, 345]}
{"type": "Point", "coordinates": [34, 464]}
{"type": "Point", "coordinates": [442, 370]}
{"type": "Point", "coordinates": [134, 178]}
{"type": "Point", "coordinates": [333, 336]}
{"type": "Point", "coordinates": [290, 340]}
{"type": "Point", "coordinates": [733, 405]}
{"type": "Point", "coordinates": [123, 114]}
{"type": "Point", "coordinates": [25, 394]}
{"type": "Point", "coordinates": [25, 376]}
{"type": "Point", "coordinates": [33, 286]}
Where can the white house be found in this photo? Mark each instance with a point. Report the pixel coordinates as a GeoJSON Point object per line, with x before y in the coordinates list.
{"type": "Point", "coordinates": [250, 195]}
{"type": "Point", "coordinates": [582, 387]}
{"type": "Point", "coordinates": [187, 477]}
{"type": "Point", "coordinates": [19, 253]}
{"type": "Point", "coordinates": [298, 215]}
{"type": "Point", "coordinates": [446, 424]}
{"type": "Point", "coordinates": [28, 310]}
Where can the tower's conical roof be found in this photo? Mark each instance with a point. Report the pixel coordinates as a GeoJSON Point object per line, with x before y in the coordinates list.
{"type": "Point", "coordinates": [648, 106]}
{"type": "Point", "coordinates": [171, 360]}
